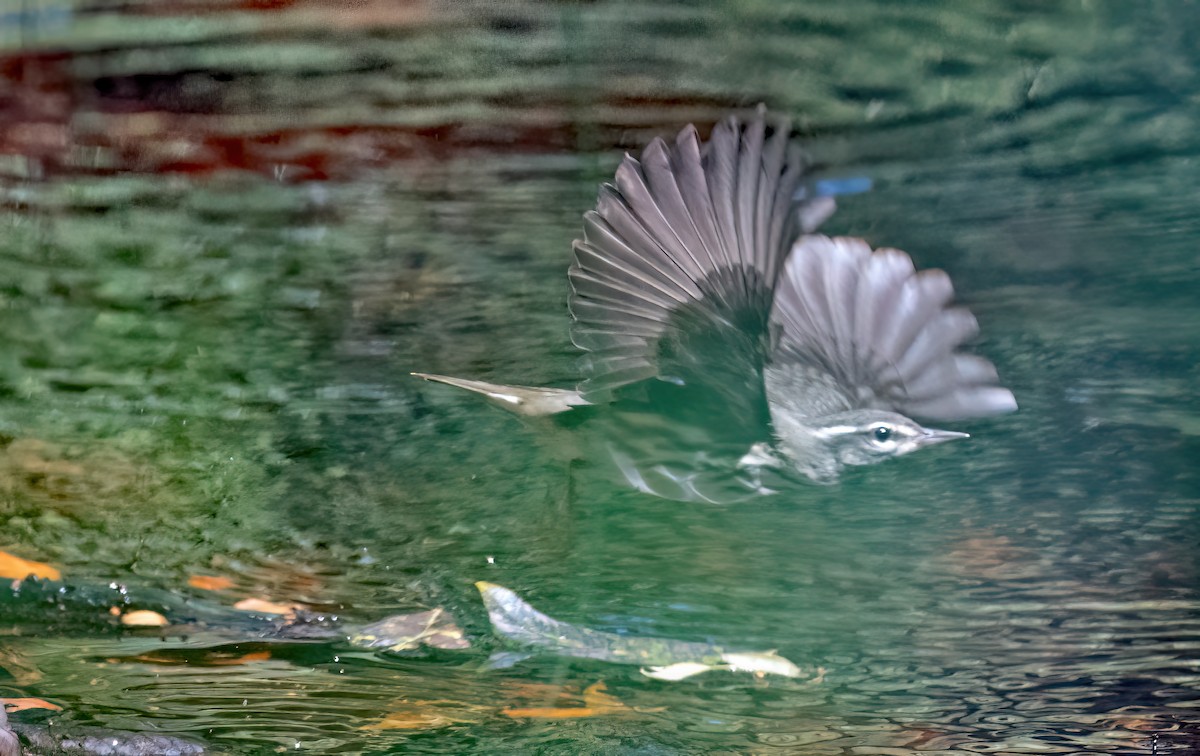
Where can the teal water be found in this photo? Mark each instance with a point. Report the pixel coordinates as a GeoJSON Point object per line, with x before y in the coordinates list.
{"type": "Point", "coordinates": [230, 231]}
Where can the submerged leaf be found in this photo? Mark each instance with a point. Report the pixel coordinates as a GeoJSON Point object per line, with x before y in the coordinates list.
{"type": "Point", "coordinates": [22, 704]}
{"type": "Point", "coordinates": [596, 697]}
{"type": "Point", "coordinates": [596, 702]}
{"type": "Point", "coordinates": [262, 606]}
{"type": "Point", "coordinates": [210, 582]}
{"type": "Point", "coordinates": [667, 659]}
{"type": "Point", "coordinates": [551, 713]}
{"type": "Point", "coordinates": [760, 663]}
{"type": "Point", "coordinates": [411, 720]}
{"type": "Point", "coordinates": [676, 672]}
{"type": "Point", "coordinates": [189, 657]}
{"type": "Point", "coordinates": [405, 632]}
{"type": "Point", "coordinates": [426, 715]}
{"type": "Point", "coordinates": [16, 568]}
{"type": "Point", "coordinates": [143, 618]}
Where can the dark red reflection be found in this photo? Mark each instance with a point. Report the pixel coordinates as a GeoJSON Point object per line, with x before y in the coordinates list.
{"type": "Point", "coordinates": [83, 112]}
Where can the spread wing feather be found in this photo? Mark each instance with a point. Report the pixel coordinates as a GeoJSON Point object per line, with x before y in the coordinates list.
{"type": "Point", "coordinates": [882, 330]}
{"type": "Point", "coordinates": [678, 261]}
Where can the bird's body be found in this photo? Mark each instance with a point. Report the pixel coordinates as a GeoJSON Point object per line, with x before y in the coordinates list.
{"type": "Point", "coordinates": [704, 301]}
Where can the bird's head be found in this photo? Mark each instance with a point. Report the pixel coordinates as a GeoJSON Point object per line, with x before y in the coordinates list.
{"type": "Point", "coordinates": [864, 437]}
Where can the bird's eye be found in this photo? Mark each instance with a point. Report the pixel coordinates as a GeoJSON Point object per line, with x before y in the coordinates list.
{"type": "Point", "coordinates": [882, 433]}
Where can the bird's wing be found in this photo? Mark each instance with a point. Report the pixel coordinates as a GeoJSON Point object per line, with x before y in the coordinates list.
{"type": "Point", "coordinates": [884, 332]}
{"type": "Point", "coordinates": [681, 254]}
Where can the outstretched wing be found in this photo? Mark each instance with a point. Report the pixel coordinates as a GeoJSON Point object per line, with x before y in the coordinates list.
{"type": "Point", "coordinates": [681, 255]}
{"type": "Point", "coordinates": [883, 332]}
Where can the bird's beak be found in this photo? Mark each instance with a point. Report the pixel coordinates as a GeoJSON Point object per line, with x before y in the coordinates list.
{"type": "Point", "coordinates": [932, 436]}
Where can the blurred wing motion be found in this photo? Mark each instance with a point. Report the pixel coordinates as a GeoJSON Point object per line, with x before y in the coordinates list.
{"type": "Point", "coordinates": [883, 334]}
{"type": "Point", "coordinates": [674, 276]}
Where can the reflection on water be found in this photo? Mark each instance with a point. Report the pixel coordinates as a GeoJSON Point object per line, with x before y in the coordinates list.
{"type": "Point", "coordinates": [231, 229]}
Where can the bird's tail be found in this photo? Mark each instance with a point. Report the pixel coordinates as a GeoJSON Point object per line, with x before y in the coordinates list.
{"type": "Point", "coordinates": [530, 401]}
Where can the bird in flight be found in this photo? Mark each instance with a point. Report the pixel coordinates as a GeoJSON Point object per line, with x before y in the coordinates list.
{"type": "Point", "coordinates": [724, 338]}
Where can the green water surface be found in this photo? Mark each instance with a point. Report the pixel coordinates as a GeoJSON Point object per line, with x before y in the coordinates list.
{"type": "Point", "coordinates": [206, 372]}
